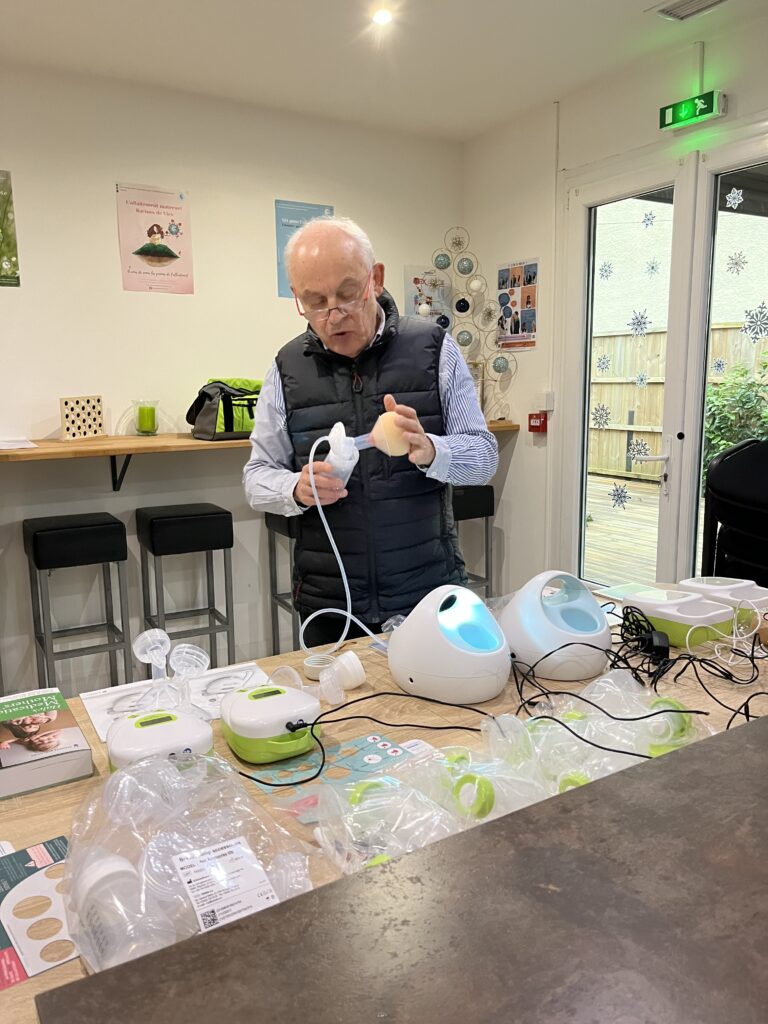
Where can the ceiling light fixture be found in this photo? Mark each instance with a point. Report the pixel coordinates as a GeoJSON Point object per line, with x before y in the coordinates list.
{"type": "Point", "coordinates": [382, 16]}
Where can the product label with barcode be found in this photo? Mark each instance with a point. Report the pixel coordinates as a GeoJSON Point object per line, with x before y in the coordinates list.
{"type": "Point", "coordinates": [224, 882]}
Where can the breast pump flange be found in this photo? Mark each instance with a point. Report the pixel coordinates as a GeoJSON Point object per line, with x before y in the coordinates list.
{"type": "Point", "coordinates": [450, 648]}
{"type": "Point", "coordinates": [552, 610]}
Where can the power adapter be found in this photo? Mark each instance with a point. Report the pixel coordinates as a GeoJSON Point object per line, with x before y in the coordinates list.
{"type": "Point", "coordinates": [655, 644]}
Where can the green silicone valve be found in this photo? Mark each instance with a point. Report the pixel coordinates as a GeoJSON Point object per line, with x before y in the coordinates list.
{"type": "Point", "coordinates": [571, 780]}
{"type": "Point", "coordinates": [682, 723]}
{"type": "Point", "coordinates": [358, 792]}
{"type": "Point", "coordinates": [484, 795]}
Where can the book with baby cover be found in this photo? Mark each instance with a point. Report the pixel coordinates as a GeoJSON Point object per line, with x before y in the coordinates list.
{"type": "Point", "coordinates": [41, 744]}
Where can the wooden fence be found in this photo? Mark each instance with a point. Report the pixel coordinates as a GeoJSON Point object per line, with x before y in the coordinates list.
{"type": "Point", "coordinates": [636, 413]}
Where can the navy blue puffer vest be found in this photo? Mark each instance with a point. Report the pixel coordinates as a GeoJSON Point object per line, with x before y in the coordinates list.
{"type": "Point", "coordinates": [395, 530]}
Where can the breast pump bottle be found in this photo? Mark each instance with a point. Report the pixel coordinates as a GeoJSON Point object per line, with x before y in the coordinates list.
{"type": "Point", "coordinates": [344, 453]}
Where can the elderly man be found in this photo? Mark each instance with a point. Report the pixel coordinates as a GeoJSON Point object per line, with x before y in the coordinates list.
{"type": "Point", "coordinates": [358, 357]}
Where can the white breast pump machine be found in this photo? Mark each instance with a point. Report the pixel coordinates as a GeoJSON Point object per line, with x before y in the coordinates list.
{"type": "Point", "coordinates": [556, 610]}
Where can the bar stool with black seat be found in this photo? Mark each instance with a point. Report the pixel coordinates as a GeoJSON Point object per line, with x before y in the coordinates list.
{"type": "Point", "coordinates": [477, 502]}
{"type": "Point", "coordinates": [285, 526]}
{"type": "Point", "coordinates": [64, 542]}
{"type": "Point", "coordinates": [182, 530]}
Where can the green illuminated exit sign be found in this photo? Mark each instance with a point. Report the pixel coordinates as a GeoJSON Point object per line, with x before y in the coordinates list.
{"type": "Point", "coordinates": [693, 111]}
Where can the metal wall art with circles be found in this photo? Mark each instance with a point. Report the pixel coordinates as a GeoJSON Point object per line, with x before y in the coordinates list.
{"type": "Point", "coordinates": [456, 239]}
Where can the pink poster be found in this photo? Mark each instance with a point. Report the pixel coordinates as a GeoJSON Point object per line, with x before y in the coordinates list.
{"type": "Point", "coordinates": [155, 239]}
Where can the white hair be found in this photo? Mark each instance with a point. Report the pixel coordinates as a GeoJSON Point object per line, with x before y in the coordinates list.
{"type": "Point", "coordinates": [348, 227]}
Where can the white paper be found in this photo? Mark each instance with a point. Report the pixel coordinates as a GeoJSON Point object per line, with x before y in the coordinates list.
{"type": "Point", "coordinates": [6, 848]}
{"type": "Point", "coordinates": [207, 692]}
{"type": "Point", "coordinates": [417, 747]}
{"type": "Point", "coordinates": [224, 882]}
{"type": "Point", "coordinates": [12, 443]}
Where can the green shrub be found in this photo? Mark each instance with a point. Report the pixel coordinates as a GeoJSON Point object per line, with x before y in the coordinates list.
{"type": "Point", "coordinates": [736, 408]}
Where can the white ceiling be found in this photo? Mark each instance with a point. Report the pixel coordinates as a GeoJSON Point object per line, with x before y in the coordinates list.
{"type": "Point", "coordinates": [448, 68]}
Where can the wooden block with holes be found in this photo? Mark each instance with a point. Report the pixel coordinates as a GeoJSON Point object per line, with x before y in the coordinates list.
{"type": "Point", "coordinates": [81, 416]}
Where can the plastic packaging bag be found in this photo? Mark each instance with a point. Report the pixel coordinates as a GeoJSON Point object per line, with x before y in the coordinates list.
{"type": "Point", "coordinates": [473, 786]}
{"type": "Point", "coordinates": [129, 888]}
{"type": "Point", "coordinates": [367, 823]}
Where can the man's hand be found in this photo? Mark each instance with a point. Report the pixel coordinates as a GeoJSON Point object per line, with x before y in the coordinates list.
{"type": "Point", "coordinates": [421, 450]}
{"type": "Point", "coordinates": [329, 487]}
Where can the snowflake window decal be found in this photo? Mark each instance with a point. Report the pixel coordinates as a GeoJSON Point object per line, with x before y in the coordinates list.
{"type": "Point", "coordinates": [652, 268]}
{"type": "Point", "coordinates": [737, 261]}
{"type": "Point", "coordinates": [601, 416]}
{"type": "Point", "coordinates": [734, 199]}
{"type": "Point", "coordinates": [638, 447]}
{"type": "Point", "coordinates": [605, 270]}
{"type": "Point", "coordinates": [619, 496]}
{"type": "Point", "coordinates": [649, 219]}
{"type": "Point", "coordinates": [639, 323]}
{"type": "Point", "coordinates": [756, 323]}
{"type": "Point", "coordinates": [603, 363]}
{"type": "Point", "coordinates": [718, 367]}
{"type": "Point", "coordinates": [641, 380]}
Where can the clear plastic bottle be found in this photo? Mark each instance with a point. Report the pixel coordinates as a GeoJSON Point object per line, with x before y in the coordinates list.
{"type": "Point", "coordinates": [343, 455]}
{"type": "Point", "coordinates": [107, 895]}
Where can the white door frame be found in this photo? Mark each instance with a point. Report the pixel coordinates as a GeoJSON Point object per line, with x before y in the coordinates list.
{"type": "Point", "coordinates": [580, 194]}
{"type": "Point", "coordinates": [735, 146]}
{"type": "Point", "coordinates": [691, 163]}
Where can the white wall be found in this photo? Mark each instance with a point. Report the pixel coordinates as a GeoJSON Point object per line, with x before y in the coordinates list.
{"type": "Point", "coordinates": [70, 329]}
{"type": "Point", "coordinates": [509, 206]}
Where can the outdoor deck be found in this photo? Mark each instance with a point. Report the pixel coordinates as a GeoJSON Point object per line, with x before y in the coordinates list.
{"type": "Point", "coordinates": [620, 543]}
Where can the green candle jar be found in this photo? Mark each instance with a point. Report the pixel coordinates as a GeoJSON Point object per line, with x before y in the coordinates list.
{"type": "Point", "coordinates": [145, 413]}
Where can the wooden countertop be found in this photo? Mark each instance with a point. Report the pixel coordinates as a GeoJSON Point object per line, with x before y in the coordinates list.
{"type": "Point", "coordinates": [133, 444]}
{"type": "Point", "coordinates": [114, 444]}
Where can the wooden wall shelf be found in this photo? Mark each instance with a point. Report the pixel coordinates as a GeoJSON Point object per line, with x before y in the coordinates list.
{"type": "Point", "coordinates": [128, 445]}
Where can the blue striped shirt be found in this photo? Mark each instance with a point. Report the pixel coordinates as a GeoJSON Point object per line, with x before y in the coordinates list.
{"type": "Point", "coordinates": [466, 454]}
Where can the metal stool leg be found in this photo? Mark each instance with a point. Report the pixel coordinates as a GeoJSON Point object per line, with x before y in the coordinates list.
{"type": "Point", "coordinates": [295, 620]}
{"type": "Point", "coordinates": [159, 592]}
{"type": "Point", "coordinates": [125, 621]}
{"type": "Point", "coordinates": [488, 556]}
{"type": "Point", "coordinates": [273, 609]}
{"type": "Point", "coordinates": [34, 591]}
{"type": "Point", "coordinates": [229, 606]}
{"type": "Point", "coordinates": [210, 584]}
{"type": "Point", "coordinates": [145, 598]}
{"type": "Point", "coordinates": [106, 575]}
{"type": "Point", "coordinates": [50, 664]}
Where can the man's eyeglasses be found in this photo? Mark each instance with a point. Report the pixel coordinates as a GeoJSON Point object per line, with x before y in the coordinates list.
{"type": "Point", "coordinates": [343, 308]}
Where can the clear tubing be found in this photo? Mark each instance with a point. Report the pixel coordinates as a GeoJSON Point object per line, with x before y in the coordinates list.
{"type": "Point", "coordinates": [326, 611]}
{"type": "Point", "coordinates": [362, 442]}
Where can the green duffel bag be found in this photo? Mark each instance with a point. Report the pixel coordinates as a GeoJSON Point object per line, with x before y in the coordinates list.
{"type": "Point", "coordinates": [224, 409]}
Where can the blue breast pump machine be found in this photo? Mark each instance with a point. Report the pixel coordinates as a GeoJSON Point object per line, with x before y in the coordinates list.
{"type": "Point", "coordinates": [450, 647]}
{"type": "Point", "coordinates": [555, 623]}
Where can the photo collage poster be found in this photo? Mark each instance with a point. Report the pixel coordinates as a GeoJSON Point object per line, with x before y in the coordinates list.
{"type": "Point", "coordinates": [518, 296]}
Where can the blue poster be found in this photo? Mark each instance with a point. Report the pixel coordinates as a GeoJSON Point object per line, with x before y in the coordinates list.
{"type": "Point", "coordinates": [288, 217]}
